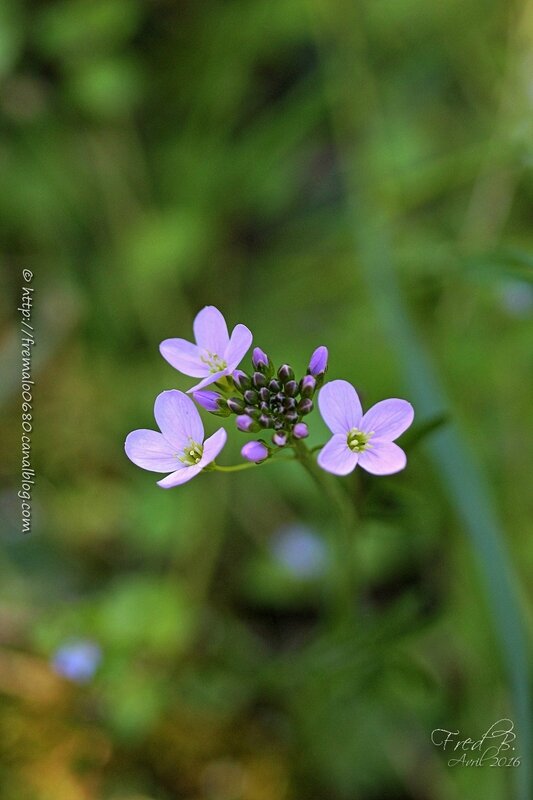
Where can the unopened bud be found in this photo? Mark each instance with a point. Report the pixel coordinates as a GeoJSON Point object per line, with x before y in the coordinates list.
{"type": "Point", "coordinates": [291, 388]}
{"type": "Point", "coordinates": [251, 397]}
{"type": "Point", "coordinates": [308, 386]}
{"type": "Point", "coordinates": [280, 438]}
{"type": "Point", "coordinates": [305, 406]}
{"type": "Point", "coordinates": [235, 405]}
{"type": "Point", "coordinates": [300, 430]}
{"type": "Point", "coordinates": [245, 423]}
{"type": "Point", "coordinates": [319, 362]}
{"type": "Point", "coordinates": [241, 380]}
{"type": "Point", "coordinates": [260, 360]}
{"type": "Point", "coordinates": [285, 373]}
{"type": "Point", "coordinates": [208, 400]}
{"type": "Point", "coordinates": [259, 380]}
{"type": "Point", "coordinates": [254, 451]}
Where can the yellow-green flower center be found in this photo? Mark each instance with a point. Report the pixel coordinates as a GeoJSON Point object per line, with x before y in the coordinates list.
{"type": "Point", "coordinates": [358, 441]}
{"type": "Point", "coordinates": [191, 454]}
{"type": "Point", "coordinates": [214, 362]}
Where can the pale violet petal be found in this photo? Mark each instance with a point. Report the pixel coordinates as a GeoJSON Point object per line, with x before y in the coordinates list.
{"type": "Point", "coordinates": [388, 418]}
{"type": "Point", "coordinates": [340, 406]}
{"type": "Point", "coordinates": [180, 476]}
{"type": "Point", "coordinates": [336, 456]}
{"type": "Point", "coordinates": [211, 378]}
{"type": "Point", "coordinates": [184, 356]}
{"type": "Point", "coordinates": [211, 331]}
{"type": "Point", "coordinates": [239, 344]}
{"type": "Point", "coordinates": [383, 458]}
{"type": "Point", "coordinates": [178, 419]}
{"type": "Point", "coordinates": [212, 447]}
{"type": "Point", "coordinates": [150, 450]}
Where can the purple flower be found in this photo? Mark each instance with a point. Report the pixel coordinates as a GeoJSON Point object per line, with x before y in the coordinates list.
{"type": "Point", "coordinates": [208, 400]}
{"type": "Point", "coordinates": [254, 451]}
{"type": "Point", "coordinates": [77, 660]}
{"type": "Point", "coordinates": [366, 439]}
{"type": "Point", "coordinates": [301, 551]}
{"type": "Point", "coordinates": [300, 430]}
{"type": "Point", "coordinates": [214, 355]}
{"type": "Point", "coordinates": [180, 447]}
{"type": "Point", "coordinates": [319, 362]}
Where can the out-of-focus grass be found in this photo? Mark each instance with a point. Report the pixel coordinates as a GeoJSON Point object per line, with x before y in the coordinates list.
{"type": "Point", "coordinates": [156, 158]}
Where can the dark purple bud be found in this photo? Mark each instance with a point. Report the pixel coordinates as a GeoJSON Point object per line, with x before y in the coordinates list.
{"type": "Point", "coordinates": [264, 394]}
{"type": "Point", "coordinates": [305, 406]}
{"type": "Point", "coordinates": [319, 362]}
{"type": "Point", "coordinates": [251, 397]}
{"type": "Point", "coordinates": [260, 360]}
{"type": "Point", "coordinates": [274, 386]}
{"type": "Point", "coordinates": [245, 423]}
{"type": "Point", "coordinates": [265, 421]}
{"type": "Point", "coordinates": [259, 380]}
{"type": "Point", "coordinates": [254, 451]}
{"type": "Point", "coordinates": [235, 405]}
{"type": "Point", "coordinates": [308, 386]}
{"type": "Point", "coordinates": [285, 373]}
{"type": "Point", "coordinates": [291, 388]}
{"type": "Point", "coordinates": [288, 402]}
{"type": "Point", "coordinates": [291, 416]}
{"type": "Point", "coordinates": [252, 412]}
{"type": "Point", "coordinates": [280, 438]}
{"type": "Point", "coordinates": [300, 430]}
{"type": "Point", "coordinates": [241, 380]}
{"type": "Point", "coordinates": [208, 400]}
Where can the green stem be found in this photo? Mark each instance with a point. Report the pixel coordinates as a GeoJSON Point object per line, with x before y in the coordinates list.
{"type": "Point", "coordinates": [248, 464]}
{"type": "Point", "coordinates": [345, 588]}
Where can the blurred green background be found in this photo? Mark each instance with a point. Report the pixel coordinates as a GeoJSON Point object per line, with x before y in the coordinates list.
{"type": "Point", "coordinates": [355, 174]}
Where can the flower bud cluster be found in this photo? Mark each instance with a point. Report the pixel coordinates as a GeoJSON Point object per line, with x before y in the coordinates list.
{"type": "Point", "coordinates": [266, 399]}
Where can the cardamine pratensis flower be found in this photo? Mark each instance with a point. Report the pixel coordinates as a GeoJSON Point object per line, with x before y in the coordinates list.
{"type": "Point", "coordinates": [364, 439]}
{"type": "Point", "coordinates": [77, 660]}
{"type": "Point", "coordinates": [180, 448]}
{"type": "Point", "coordinates": [214, 355]}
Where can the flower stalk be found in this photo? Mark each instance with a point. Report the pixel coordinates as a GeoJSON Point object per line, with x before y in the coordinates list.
{"type": "Point", "coordinates": [345, 580]}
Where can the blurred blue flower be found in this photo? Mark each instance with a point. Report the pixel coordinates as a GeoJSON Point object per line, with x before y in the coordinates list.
{"type": "Point", "coordinates": [77, 660]}
{"type": "Point", "coordinates": [300, 550]}
{"type": "Point", "coordinates": [516, 298]}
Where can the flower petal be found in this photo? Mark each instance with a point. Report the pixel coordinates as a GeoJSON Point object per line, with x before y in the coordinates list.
{"type": "Point", "coordinates": [150, 450]}
{"type": "Point", "coordinates": [340, 406]}
{"type": "Point", "coordinates": [211, 331]}
{"type": "Point", "coordinates": [388, 418]}
{"type": "Point", "coordinates": [180, 476]}
{"type": "Point", "coordinates": [211, 378]}
{"type": "Point", "coordinates": [212, 447]}
{"type": "Point", "coordinates": [184, 356]}
{"type": "Point", "coordinates": [178, 419]}
{"type": "Point", "coordinates": [239, 344]}
{"type": "Point", "coordinates": [336, 456]}
{"type": "Point", "coordinates": [383, 458]}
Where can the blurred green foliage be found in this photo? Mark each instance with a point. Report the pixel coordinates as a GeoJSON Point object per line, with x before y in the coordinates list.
{"type": "Point", "coordinates": [159, 156]}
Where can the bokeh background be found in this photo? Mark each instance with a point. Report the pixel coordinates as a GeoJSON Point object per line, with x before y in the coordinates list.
{"type": "Point", "coordinates": [355, 174]}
